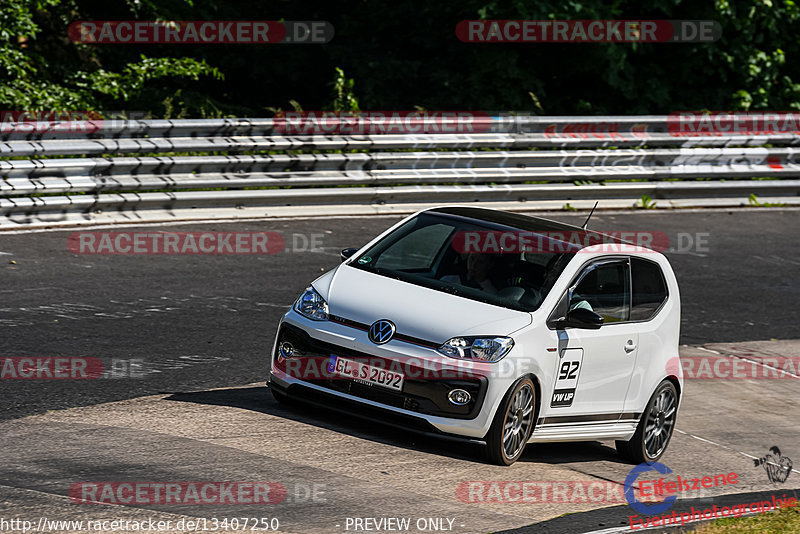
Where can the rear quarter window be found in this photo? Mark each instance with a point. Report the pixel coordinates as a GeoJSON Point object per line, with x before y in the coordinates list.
{"type": "Point", "coordinates": [649, 289]}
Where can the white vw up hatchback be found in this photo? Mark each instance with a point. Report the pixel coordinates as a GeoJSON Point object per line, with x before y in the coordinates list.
{"type": "Point", "coordinates": [494, 326]}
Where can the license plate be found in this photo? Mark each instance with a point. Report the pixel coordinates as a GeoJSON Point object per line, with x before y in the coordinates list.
{"type": "Point", "coordinates": [365, 373]}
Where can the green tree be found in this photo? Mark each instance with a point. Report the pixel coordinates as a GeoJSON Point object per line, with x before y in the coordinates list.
{"type": "Point", "coordinates": [40, 69]}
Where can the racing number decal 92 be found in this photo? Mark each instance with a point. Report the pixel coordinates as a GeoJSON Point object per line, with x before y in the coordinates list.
{"type": "Point", "coordinates": [569, 367]}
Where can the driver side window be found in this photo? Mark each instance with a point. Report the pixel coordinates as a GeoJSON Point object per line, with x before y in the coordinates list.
{"type": "Point", "coordinates": [416, 250]}
{"type": "Point", "coordinates": [605, 289]}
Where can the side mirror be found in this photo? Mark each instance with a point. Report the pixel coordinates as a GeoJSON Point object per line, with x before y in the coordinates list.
{"type": "Point", "coordinates": [346, 253]}
{"type": "Point", "coordinates": [580, 318]}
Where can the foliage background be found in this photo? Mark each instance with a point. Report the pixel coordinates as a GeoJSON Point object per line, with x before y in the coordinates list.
{"type": "Point", "coordinates": [399, 56]}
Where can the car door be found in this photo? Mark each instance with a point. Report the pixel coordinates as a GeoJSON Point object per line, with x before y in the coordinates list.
{"type": "Point", "coordinates": [594, 367]}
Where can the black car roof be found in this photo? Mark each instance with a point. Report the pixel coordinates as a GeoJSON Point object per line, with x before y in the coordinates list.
{"type": "Point", "coordinates": [526, 223]}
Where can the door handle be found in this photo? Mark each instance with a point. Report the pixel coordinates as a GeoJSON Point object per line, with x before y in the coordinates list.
{"type": "Point", "coordinates": [630, 346]}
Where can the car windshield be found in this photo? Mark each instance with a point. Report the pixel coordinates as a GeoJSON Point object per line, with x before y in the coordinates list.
{"type": "Point", "coordinates": [474, 259]}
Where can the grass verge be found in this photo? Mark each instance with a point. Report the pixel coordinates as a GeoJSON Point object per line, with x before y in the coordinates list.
{"type": "Point", "coordinates": [784, 521]}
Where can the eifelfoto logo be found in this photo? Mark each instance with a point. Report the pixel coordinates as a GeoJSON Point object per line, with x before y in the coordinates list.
{"type": "Point", "coordinates": [777, 467]}
{"type": "Point", "coordinates": [381, 331]}
{"type": "Point", "coordinates": [630, 489]}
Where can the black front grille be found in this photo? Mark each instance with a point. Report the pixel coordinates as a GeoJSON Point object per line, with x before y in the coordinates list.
{"type": "Point", "coordinates": [373, 393]}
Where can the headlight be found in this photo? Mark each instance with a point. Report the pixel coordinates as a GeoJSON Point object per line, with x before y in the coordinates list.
{"type": "Point", "coordinates": [312, 305]}
{"type": "Point", "coordinates": [487, 349]}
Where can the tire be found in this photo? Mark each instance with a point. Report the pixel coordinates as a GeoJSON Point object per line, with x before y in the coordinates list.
{"type": "Point", "coordinates": [655, 428]}
{"type": "Point", "coordinates": [512, 424]}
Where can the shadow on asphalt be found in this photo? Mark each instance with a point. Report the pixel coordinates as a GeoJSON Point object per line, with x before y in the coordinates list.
{"type": "Point", "coordinates": [259, 399]}
{"type": "Point", "coordinates": [571, 452]}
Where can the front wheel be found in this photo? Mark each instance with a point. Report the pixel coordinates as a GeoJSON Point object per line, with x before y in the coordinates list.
{"type": "Point", "coordinates": [513, 424]}
{"type": "Point", "coordinates": [655, 428]}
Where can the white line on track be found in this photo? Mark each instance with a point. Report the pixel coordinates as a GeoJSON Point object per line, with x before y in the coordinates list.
{"type": "Point", "coordinates": [723, 446]}
{"type": "Point", "coordinates": [144, 224]}
{"type": "Point", "coordinates": [757, 362]}
{"type": "Point", "coordinates": [31, 289]}
{"type": "Point", "coordinates": [716, 444]}
{"type": "Point", "coordinates": [277, 219]}
{"type": "Point", "coordinates": [776, 260]}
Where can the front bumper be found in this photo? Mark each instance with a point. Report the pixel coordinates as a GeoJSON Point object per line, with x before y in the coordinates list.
{"type": "Point", "coordinates": [429, 377]}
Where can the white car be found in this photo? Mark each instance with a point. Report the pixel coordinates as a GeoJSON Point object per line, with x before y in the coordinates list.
{"type": "Point", "coordinates": [485, 325]}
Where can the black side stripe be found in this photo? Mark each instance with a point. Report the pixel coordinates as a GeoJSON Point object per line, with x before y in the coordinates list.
{"type": "Point", "coordinates": [604, 417]}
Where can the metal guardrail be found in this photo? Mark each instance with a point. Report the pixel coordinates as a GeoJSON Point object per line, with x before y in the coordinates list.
{"type": "Point", "coordinates": [510, 159]}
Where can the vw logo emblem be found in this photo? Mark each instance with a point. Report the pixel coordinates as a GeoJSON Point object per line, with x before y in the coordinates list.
{"type": "Point", "coordinates": [381, 331]}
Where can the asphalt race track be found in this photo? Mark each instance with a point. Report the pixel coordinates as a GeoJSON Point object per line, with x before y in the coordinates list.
{"type": "Point", "coordinates": [184, 340]}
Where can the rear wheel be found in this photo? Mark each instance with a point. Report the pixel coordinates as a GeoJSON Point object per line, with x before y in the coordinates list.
{"type": "Point", "coordinates": [655, 428]}
{"type": "Point", "coordinates": [513, 424]}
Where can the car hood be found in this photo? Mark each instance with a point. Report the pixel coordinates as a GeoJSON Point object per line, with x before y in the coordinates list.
{"type": "Point", "coordinates": [416, 311]}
